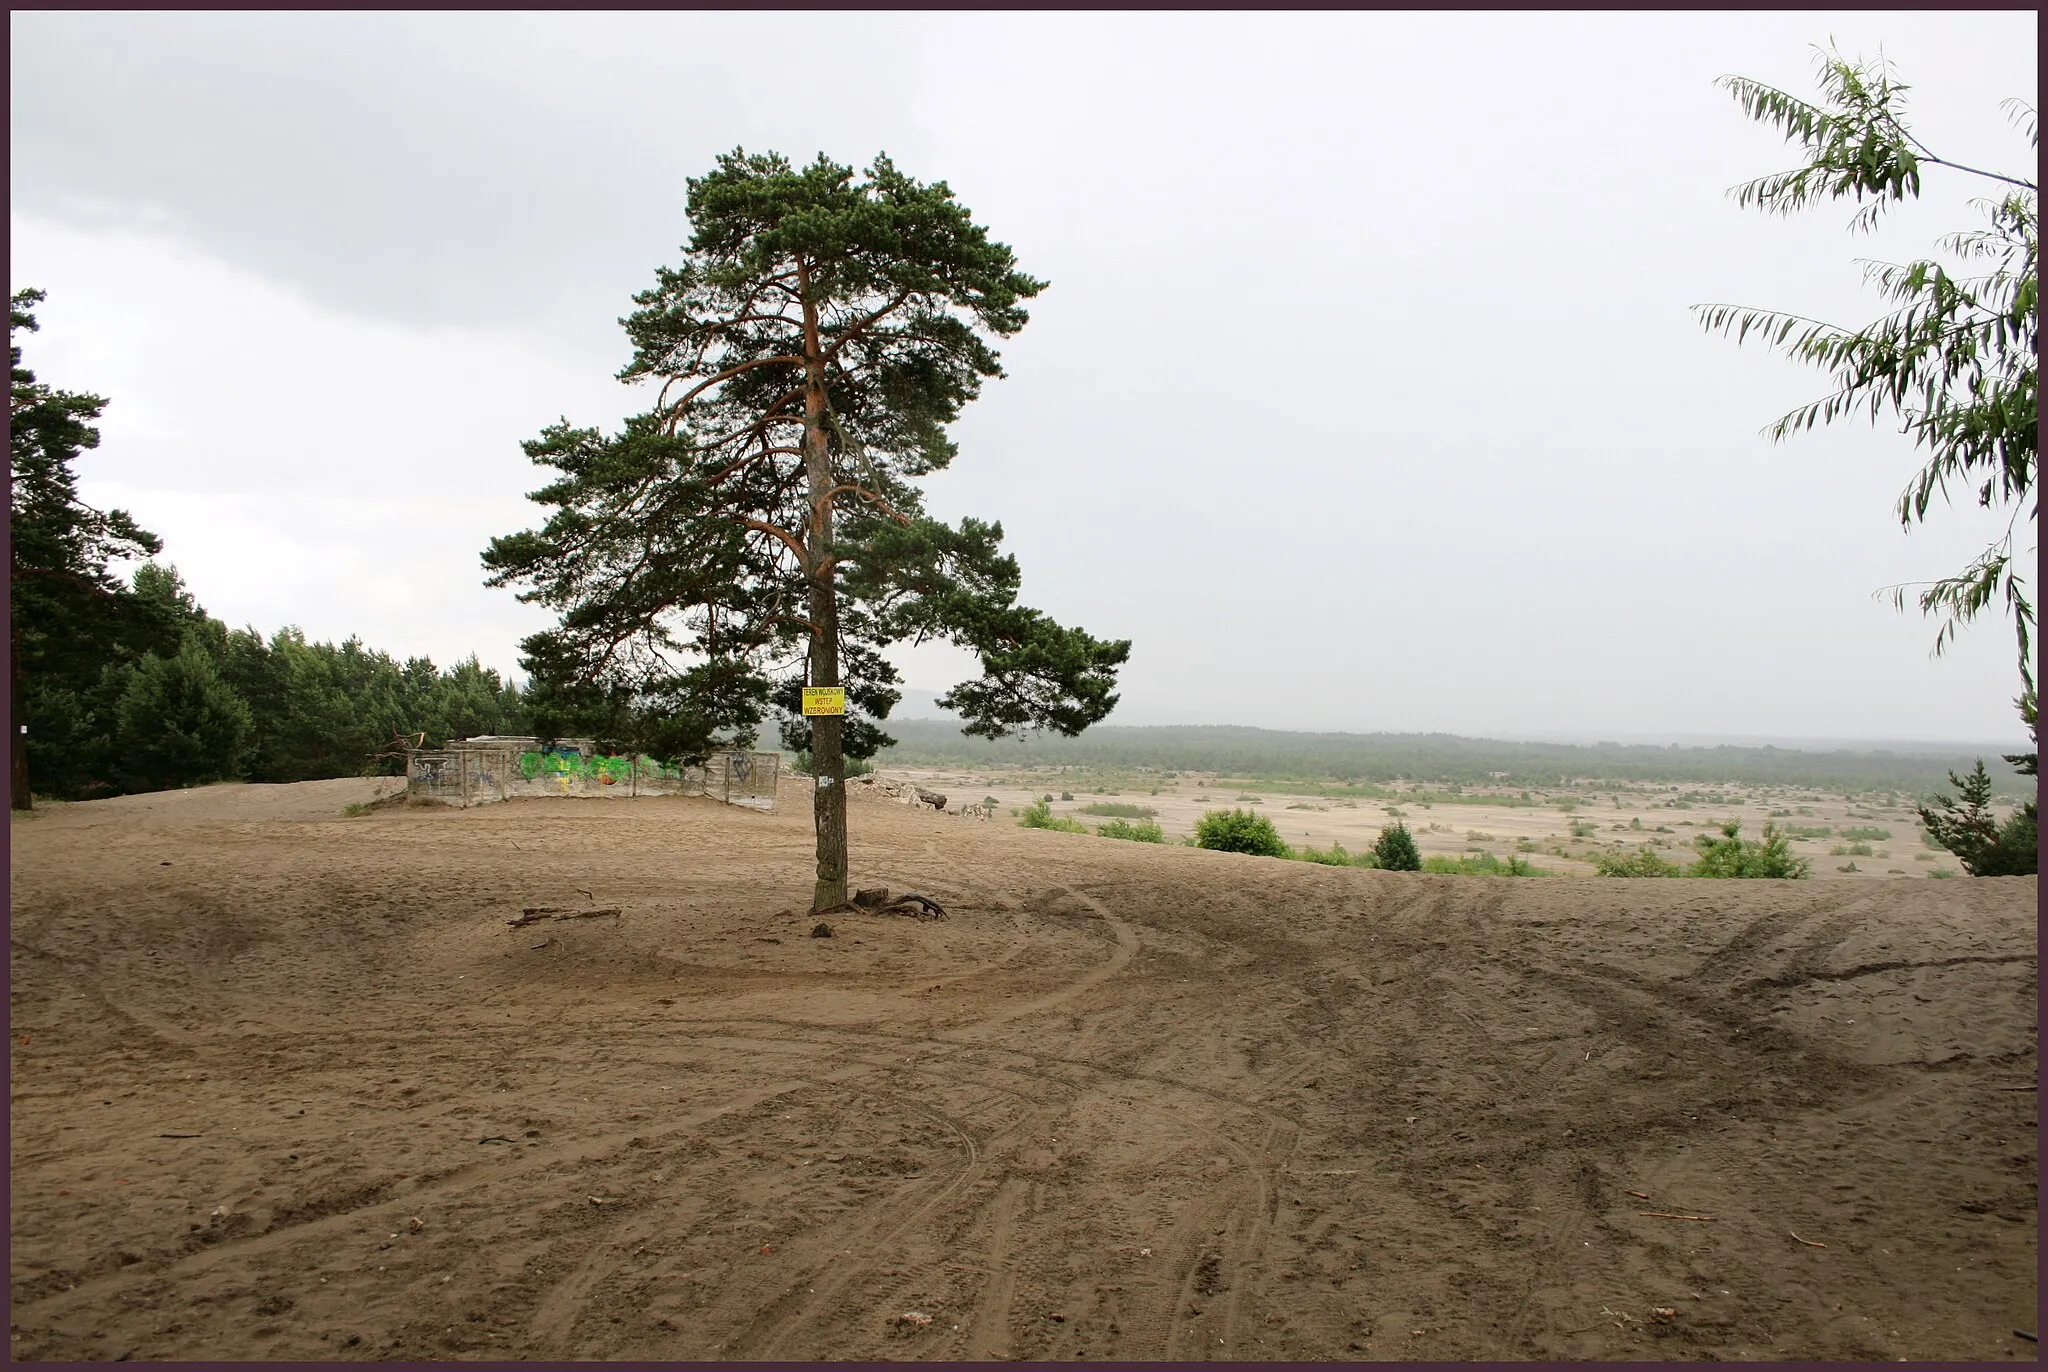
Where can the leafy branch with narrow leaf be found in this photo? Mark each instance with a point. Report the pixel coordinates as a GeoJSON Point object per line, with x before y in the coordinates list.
{"type": "Point", "coordinates": [1954, 359]}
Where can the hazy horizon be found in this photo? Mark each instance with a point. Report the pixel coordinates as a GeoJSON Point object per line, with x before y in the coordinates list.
{"type": "Point", "coordinates": [1365, 395]}
{"type": "Point", "coordinates": [922, 704]}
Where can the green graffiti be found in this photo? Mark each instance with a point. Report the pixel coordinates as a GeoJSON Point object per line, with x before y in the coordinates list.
{"type": "Point", "coordinates": [566, 766]}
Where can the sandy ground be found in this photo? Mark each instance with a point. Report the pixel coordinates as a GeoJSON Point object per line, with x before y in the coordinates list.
{"type": "Point", "coordinates": [1617, 821]}
{"type": "Point", "coordinates": [286, 1085]}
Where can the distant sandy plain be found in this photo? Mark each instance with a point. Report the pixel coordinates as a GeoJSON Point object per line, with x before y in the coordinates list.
{"type": "Point", "coordinates": [292, 1085]}
{"type": "Point", "coordinates": [1621, 820]}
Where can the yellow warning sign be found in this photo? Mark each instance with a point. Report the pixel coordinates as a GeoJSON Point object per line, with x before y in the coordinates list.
{"type": "Point", "coordinates": [824, 700]}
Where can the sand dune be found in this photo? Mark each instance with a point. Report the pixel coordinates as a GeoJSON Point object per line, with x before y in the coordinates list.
{"type": "Point", "coordinates": [287, 1085]}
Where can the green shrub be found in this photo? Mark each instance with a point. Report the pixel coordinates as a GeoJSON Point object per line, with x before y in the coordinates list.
{"type": "Point", "coordinates": [1333, 856]}
{"type": "Point", "coordinates": [1582, 828]}
{"type": "Point", "coordinates": [1240, 831]}
{"type": "Point", "coordinates": [1968, 829]}
{"type": "Point", "coordinates": [1120, 809]}
{"type": "Point", "coordinates": [1640, 863]}
{"type": "Point", "coordinates": [1040, 816]}
{"type": "Point", "coordinates": [1396, 849]}
{"type": "Point", "coordinates": [1482, 865]}
{"type": "Point", "coordinates": [1145, 831]}
{"type": "Point", "coordinates": [1850, 850]}
{"type": "Point", "coordinates": [1064, 795]}
{"type": "Point", "coordinates": [1941, 874]}
{"type": "Point", "coordinates": [1733, 856]}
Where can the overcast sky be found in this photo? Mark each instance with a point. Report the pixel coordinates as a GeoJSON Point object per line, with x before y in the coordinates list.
{"type": "Point", "coordinates": [1365, 394]}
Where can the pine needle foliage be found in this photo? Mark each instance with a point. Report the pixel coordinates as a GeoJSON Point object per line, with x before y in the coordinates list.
{"type": "Point", "coordinates": [1966, 827]}
{"type": "Point", "coordinates": [1396, 850]}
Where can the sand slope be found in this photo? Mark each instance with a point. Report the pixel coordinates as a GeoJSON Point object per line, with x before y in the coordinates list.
{"type": "Point", "coordinates": [286, 1085]}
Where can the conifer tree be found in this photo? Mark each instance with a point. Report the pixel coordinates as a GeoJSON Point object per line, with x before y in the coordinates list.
{"type": "Point", "coordinates": [759, 528]}
{"type": "Point", "coordinates": [1966, 827]}
{"type": "Point", "coordinates": [67, 612]}
{"type": "Point", "coordinates": [1395, 848]}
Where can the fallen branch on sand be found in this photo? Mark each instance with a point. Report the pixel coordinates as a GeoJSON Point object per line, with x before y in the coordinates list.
{"type": "Point", "coordinates": [875, 900]}
{"type": "Point", "coordinates": [911, 903]}
{"type": "Point", "coordinates": [1808, 1242]}
{"type": "Point", "coordinates": [1661, 1215]}
{"type": "Point", "coordinates": [534, 914]}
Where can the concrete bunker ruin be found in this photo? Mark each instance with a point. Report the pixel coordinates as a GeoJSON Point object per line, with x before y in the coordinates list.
{"type": "Point", "coordinates": [477, 771]}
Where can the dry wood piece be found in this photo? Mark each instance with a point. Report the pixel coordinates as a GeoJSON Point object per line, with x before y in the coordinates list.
{"type": "Point", "coordinates": [534, 914]}
{"type": "Point", "coordinates": [1661, 1215]}
{"type": "Point", "coordinates": [1640, 1195]}
{"type": "Point", "coordinates": [911, 903]}
{"type": "Point", "coordinates": [1808, 1242]}
{"type": "Point", "coordinates": [872, 899]}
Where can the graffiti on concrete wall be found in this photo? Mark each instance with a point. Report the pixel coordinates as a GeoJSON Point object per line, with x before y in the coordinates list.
{"type": "Point", "coordinates": [476, 770]}
{"type": "Point", "coordinates": [567, 766]}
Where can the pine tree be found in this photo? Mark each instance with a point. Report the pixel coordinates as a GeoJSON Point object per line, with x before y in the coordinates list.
{"type": "Point", "coordinates": [1966, 827]}
{"type": "Point", "coordinates": [759, 529]}
{"type": "Point", "coordinates": [1396, 850]}
{"type": "Point", "coordinates": [68, 615]}
{"type": "Point", "coordinates": [179, 724]}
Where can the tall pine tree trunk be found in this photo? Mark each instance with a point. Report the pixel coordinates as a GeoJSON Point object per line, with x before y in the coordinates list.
{"type": "Point", "coordinates": [18, 792]}
{"type": "Point", "coordinates": [828, 763]}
